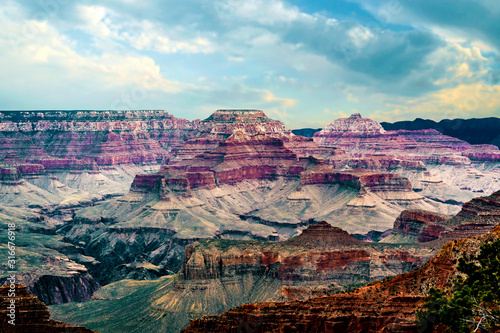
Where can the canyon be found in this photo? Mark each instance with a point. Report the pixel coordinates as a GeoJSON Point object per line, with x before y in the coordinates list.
{"type": "Point", "coordinates": [321, 272]}
{"type": "Point", "coordinates": [389, 305]}
{"type": "Point", "coordinates": [231, 206]}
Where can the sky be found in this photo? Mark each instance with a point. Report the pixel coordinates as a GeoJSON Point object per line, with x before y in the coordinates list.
{"type": "Point", "coordinates": [304, 62]}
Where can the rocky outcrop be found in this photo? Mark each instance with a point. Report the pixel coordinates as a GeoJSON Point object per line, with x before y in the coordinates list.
{"type": "Point", "coordinates": [57, 289]}
{"type": "Point", "coordinates": [483, 210]}
{"type": "Point", "coordinates": [248, 187]}
{"type": "Point", "coordinates": [48, 267]}
{"type": "Point", "coordinates": [249, 121]}
{"type": "Point", "coordinates": [364, 137]}
{"type": "Point", "coordinates": [29, 314]}
{"type": "Point", "coordinates": [386, 306]}
{"type": "Point", "coordinates": [78, 140]}
{"type": "Point", "coordinates": [422, 225]}
{"type": "Point", "coordinates": [321, 261]}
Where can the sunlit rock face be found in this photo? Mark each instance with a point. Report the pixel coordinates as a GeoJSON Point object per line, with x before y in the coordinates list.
{"type": "Point", "coordinates": [354, 126]}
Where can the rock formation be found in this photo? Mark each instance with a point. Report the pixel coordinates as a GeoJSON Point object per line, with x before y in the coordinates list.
{"type": "Point", "coordinates": [364, 136]}
{"type": "Point", "coordinates": [463, 169]}
{"type": "Point", "coordinates": [248, 187]}
{"type": "Point", "coordinates": [321, 261]}
{"type": "Point", "coordinates": [31, 315]}
{"type": "Point", "coordinates": [386, 306]}
{"type": "Point", "coordinates": [50, 268]}
{"type": "Point", "coordinates": [417, 225]}
{"type": "Point", "coordinates": [74, 140]}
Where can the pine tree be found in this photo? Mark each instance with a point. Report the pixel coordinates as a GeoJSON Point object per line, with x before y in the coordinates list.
{"type": "Point", "coordinates": [473, 303]}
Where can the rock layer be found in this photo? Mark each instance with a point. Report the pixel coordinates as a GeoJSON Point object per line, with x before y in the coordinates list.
{"type": "Point", "coordinates": [365, 137]}
{"type": "Point", "coordinates": [386, 306]}
{"type": "Point", "coordinates": [31, 315]}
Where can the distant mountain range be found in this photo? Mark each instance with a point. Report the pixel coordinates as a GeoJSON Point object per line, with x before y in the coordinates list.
{"type": "Point", "coordinates": [474, 131]}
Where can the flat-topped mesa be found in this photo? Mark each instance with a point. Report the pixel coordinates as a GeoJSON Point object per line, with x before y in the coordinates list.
{"type": "Point", "coordinates": [225, 122]}
{"type": "Point", "coordinates": [238, 115]}
{"type": "Point", "coordinates": [89, 121]}
{"type": "Point", "coordinates": [75, 140]}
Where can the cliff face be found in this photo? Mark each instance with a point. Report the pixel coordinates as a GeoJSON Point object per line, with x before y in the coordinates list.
{"type": "Point", "coordinates": [321, 255]}
{"type": "Point", "coordinates": [364, 136]}
{"type": "Point", "coordinates": [77, 140]}
{"type": "Point", "coordinates": [249, 121]}
{"type": "Point", "coordinates": [217, 275]}
{"type": "Point", "coordinates": [422, 225]}
{"type": "Point", "coordinates": [481, 210]}
{"type": "Point", "coordinates": [288, 276]}
{"type": "Point", "coordinates": [386, 306]}
{"type": "Point", "coordinates": [31, 315]}
{"type": "Point", "coordinates": [248, 187]}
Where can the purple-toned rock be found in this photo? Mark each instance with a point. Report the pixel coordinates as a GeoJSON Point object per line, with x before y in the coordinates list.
{"type": "Point", "coordinates": [364, 138]}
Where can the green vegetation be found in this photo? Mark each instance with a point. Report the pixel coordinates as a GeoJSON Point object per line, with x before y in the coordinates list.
{"type": "Point", "coordinates": [473, 303]}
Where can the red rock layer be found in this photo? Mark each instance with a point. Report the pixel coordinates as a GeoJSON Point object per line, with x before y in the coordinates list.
{"type": "Point", "coordinates": [425, 225]}
{"type": "Point", "coordinates": [238, 158]}
{"type": "Point", "coordinates": [31, 315]}
{"type": "Point", "coordinates": [385, 306]}
{"type": "Point", "coordinates": [242, 157]}
{"type": "Point", "coordinates": [82, 139]}
{"type": "Point", "coordinates": [322, 234]}
{"type": "Point", "coordinates": [321, 254]}
{"type": "Point", "coordinates": [358, 178]}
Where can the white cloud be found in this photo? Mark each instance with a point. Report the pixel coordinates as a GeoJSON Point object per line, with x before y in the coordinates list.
{"type": "Point", "coordinates": [51, 67]}
{"type": "Point", "coordinates": [268, 12]}
{"type": "Point", "coordinates": [106, 24]}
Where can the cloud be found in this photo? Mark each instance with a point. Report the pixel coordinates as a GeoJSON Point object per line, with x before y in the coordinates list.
{"type": "Point", "coordinates": [463, 101]}
{"type": "Point", "coordinates": [474, 19]}
{"type": "Point", "coordinates": [56, 69]}
{"type": "Point", "coordinates": [398, 57]}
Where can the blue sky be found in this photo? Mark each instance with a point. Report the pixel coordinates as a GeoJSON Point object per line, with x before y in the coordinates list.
{"type": "Point", "coordinates": [303, 62]}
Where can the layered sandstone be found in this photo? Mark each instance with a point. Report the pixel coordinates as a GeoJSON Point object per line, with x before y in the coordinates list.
{"type": "Point", "coordinates": [484, 210]}
{"type": "Point", "coordinates": [364, 137]}
{"type": "Point", "coordinates": [79, 139]}
{"type": "Point", "coordinates": [422, 225]}
{"type": "Point", "coordinates": [248, 187]}
{"type": "Point", "coordinates": [321, 261]}
{"type": "Point", "coordinates": [249, 121]}
{"type": "Point", "coordinates": [31, 315]}
{"type": "Point", "coordinates": [387, 306]}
